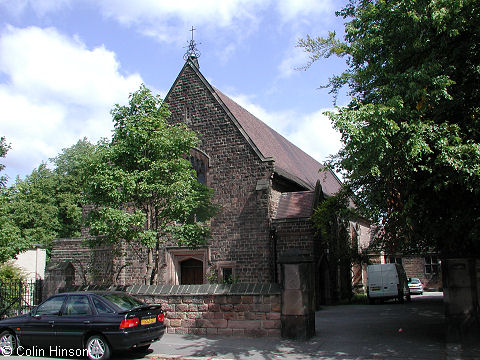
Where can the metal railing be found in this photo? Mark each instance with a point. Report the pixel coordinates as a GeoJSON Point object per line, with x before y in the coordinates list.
{"type": "Point", "coordinates": [19, 297]}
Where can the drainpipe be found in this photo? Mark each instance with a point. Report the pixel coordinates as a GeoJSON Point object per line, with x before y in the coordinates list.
{"type": "Point", "coordinates": [273, 238]}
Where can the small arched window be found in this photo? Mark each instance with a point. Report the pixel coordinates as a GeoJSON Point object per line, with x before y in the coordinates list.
{"type": "Point", "coordinates": [200, 162]}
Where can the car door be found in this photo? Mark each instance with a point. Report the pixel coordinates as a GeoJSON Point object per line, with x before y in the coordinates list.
{"type": "Point", "coordinates": [75, 320]}
{"type": "Point", "coordinates": [39, 330]}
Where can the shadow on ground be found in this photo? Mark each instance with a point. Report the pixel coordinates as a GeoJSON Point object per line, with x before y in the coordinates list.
{"type": "Point", "coordinates": [414, 330]}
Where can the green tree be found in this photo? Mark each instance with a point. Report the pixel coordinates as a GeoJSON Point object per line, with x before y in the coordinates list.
{"type": "Point", "coordinates": [4, 147]}
{"type": "Point", "coordinates": [331, 219]}
{"type": "Point", "coordinates": [33, 207]}
{"type": "Point", "coordinates": [411, 131]}
{"type": "Point", "coordinates": [142, 187]}
{"type": "Point", "coordinates": [70, 176]}
{"type": "Point", "coordinates": [47, 204]}
{"type": "Point", "coordinates": [11, 242]}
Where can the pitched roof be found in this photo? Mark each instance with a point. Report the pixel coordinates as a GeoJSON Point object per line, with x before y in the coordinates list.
{"type": "Point", "coordinates": [290, 161]}
{"type": "Point", "coordinates": [295, 205]}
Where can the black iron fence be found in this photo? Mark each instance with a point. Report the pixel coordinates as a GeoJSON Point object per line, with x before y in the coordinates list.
{"type": "Point", "coordinates": [19, 297]}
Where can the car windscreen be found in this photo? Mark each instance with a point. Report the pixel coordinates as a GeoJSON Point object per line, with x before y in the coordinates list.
{"type": "Point", "coordinates": [414, 281]}
{"type": "Point", "coordinates": [123, 301]}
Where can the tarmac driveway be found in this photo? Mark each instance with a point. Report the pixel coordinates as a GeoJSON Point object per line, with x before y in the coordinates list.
{"type": "Point", "coordinates": [413, 330]}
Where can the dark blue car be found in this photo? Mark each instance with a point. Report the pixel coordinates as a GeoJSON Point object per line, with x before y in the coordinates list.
{"type": "Point", "coordinates": [83, 324]}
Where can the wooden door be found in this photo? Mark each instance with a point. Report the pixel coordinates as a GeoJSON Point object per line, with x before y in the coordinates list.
{"type": "Point", "coordinates": [191, 272]}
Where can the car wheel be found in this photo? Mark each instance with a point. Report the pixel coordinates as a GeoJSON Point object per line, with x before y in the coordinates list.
{"type": "Point", "coordinates": [8, 343]}
{"type": "Point", "coordinates": [401, 297]}
{"type": "Point", "coordinates": [97, 348]}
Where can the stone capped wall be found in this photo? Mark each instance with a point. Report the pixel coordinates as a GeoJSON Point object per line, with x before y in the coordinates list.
{"type": "Point", "coordinates": [215, 309]}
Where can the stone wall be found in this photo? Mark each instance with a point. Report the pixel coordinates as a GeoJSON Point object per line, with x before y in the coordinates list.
{"type": "Point", "coordinates": [102, 265]}
{"type": "Point", "coordinates": [215, 309]}
{"type": "Point", "coordinates": [88, 264]}
{"type": "Point", "coordinates": [415, 267]}
{"type": "Point", "coordinates": [240, 232]}
{"type": "Point", "coordinates": [295, 234]}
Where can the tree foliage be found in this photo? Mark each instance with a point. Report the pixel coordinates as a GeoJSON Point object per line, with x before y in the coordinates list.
{"type": "Point", "coordinates": [141, 185]}
{"type": "Point", "coordinates": [11, 242]}
{"type": "Point", "coordinates": [4, 147]}
{"type": "Point", "coordinates": [411, 132]}
{"type": "Point", "coordinates": [70, 172]}
{"type": "Point", "coordinates": [33, 207]}
{"type": "Point", "coordinates": [331, 220]}
{"type": "Point", "coordinates": [47, 204]}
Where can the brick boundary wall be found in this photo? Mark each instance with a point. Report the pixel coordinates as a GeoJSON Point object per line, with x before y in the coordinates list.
{"type": "Point", "coordinates": [212, 309]}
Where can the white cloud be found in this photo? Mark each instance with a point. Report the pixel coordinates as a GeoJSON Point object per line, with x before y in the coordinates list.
{"type": "Point", "coordinates": [316, 136]}
{"type": "Point", "coordinates": [225, 22]}
{"type": "Point", "coordinates": [40, 7]}
{"type": "Point", "coordinates": [220, 11]}
{"type": "Point", "coordinates": [57, 91]}
{"type": "Point", "coordinates": [42, 62]}
{"type": "Point", "coordinates": [294, 59]}
{"type": "Point", "coordinates": [163, 19]}
{"type": "Point", "coordinates": [292, 10]}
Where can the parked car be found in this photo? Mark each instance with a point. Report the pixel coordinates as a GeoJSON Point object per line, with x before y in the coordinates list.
{"type": "Point", "coordinates": [387, 281]}
{"type": "Point", "coordinates": [415, 286]}
{"type": "Point", "coordinates": [83, 324]}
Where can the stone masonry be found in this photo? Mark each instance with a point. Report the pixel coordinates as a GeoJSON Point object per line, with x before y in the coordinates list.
{"type": "Point", "coordinates": [240, 233]}
{"type": "Point", "coordinates": [230, 310]}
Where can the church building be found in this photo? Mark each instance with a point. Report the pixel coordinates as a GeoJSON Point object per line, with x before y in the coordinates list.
{"type": "Point", "coordinates": [266, 188]}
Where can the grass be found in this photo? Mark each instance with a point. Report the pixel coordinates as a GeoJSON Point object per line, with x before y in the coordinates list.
{"type": "Point", "coordinates": [356, 299]}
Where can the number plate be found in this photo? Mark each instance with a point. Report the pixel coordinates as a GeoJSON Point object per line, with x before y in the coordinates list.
{"type": "Point", "coordinates": [148, 321]}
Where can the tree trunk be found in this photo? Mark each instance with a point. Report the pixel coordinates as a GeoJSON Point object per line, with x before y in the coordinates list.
{"type": "Point", "coordinates": [149, 268]}
{"type": "Point", "coordinates": [154, 274]}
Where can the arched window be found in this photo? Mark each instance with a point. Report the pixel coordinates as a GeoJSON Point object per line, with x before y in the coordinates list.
{"type": "Point", "coordinates": [200, 162]}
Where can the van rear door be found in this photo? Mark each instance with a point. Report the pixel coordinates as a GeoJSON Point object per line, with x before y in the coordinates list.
{"type": "Point", "coordinates": [375, 282]}
{"type": "Point", "coordinates": [390, 281]}
{"type": "Point", "coordinates": [382, 280]}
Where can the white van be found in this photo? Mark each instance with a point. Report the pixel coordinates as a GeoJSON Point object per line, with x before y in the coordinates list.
{"type": "Point", "coordinates": [387, 281]}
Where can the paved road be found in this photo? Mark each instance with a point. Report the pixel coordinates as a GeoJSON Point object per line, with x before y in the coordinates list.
{"type": "Point", "coordinates": [413, 330]}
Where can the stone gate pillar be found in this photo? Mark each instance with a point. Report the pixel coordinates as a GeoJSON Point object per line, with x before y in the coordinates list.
{"type": "Point", "coordinates": [298, 303]}
{"type": "Point", "coordinates": [461, 281]}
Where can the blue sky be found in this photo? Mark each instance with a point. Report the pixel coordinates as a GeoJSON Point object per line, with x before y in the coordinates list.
{"type": "Point", "coordinates": [65, 63]}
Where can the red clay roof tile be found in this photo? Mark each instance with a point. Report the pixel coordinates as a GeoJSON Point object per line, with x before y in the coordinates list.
{"type": "Point", "coordinates": [295, 205]}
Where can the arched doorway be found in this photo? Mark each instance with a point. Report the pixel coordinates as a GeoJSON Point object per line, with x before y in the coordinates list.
{"type": "Point", "coordinates": [191, 272]}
